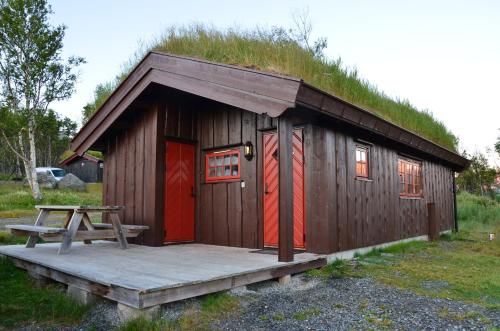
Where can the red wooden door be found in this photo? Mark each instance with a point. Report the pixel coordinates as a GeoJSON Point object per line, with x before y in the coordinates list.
{"type": "Point", "coordinates": [179, 188]}
{"type": "Point", "coordinates": [271, 190]}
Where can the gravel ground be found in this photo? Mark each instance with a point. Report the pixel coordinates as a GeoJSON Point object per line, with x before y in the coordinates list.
{"type": "Point", "coordinates": [308, 303]}
{"type": "Point", "coordinates": [346, 304]}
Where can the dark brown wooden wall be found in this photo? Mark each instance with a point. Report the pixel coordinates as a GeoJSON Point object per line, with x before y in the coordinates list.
{"type": "Point", "coordinates": [229, 214]}
{"type": "Point", "coordinates": [133, 171]}
{"type": "Point", "coordinates": [345, 213]}
{"type": "Point", "coordinates": [341, 212]}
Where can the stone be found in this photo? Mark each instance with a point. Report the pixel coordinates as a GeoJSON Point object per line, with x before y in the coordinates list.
{"type": "Point", "coordinates": [81, 296]}
{"type": "Point", "coordinates": [127, 313]}
{"type": "Point", "coordinates": [72, 182]}
{"type": "Point", "coordinates": [284, 279]}
{"type": "Point", "coordinates": [46, 181]}
{"type": "Point", "coordinates": [39, 280]}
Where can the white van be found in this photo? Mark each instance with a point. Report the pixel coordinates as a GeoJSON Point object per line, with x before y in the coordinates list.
{"type": "Point", "coordinates": [56, 173]}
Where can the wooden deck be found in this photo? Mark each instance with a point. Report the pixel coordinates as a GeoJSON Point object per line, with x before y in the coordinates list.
{"type": "Point", "coordinates": [144, 276]}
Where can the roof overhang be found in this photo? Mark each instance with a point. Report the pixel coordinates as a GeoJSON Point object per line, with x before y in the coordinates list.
{"type": "Point", "coordinates": [255, 91]}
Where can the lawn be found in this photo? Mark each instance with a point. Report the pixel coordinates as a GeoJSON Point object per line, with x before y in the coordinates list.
{"type": "Point", "coordinates": [462, 266]}
{"type": "Point", "coordinates": [23, 303]}
{"type": "Point", "coordinates": [16, 199]}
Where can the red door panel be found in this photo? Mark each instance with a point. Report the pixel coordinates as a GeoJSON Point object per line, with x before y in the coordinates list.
{"type": "Point", "coordinates": [271, 189]}
{"type": "Point", "coordinates": [179, 198]}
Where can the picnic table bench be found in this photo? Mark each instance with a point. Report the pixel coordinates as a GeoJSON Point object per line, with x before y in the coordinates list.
{"type": "Point", "coordinates": [77, 226]}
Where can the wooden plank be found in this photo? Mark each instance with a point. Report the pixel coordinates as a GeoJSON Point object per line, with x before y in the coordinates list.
{"type": "Point", "coordinates": [234, 118]}
{"type": "Point", "coordinates": [107, 234]}
{"type": "Point", "coordinates": [220, 221]}
{"type": "Point", "coordinates": [285, 149]}
{"type": "Point", "coordinates": [206, 214]}
{"type": "Point", "coordinates": [234, 214]}
{"type": "Point", "coordinates": [353, 228]}
{"type": "Point", "coordinates": [153, 298]}
{"type": "Point", "coordinates": [121, 164]}
{"type": "Point", "coordinates": [124, 226]}
{"type": "Point", "coordinates": [42, 215]}
{"type": "Point", "coordinates": [249, 194]}
{"type": "Point", "coordinates": [88, 226]}
{"type": "Point", "coordinates": [172, 119]}
{"type": "Point", "coordinates": [139, 176]}
{"type": "Point", "coordinates": [341, 175]}
{"type": "Point", "coordinates": [74, 223]}
{"type": "Point", "coordinates": [129, 212]}
{"type": "Point", "coordinates": [35, 228]}
{"type": "Point", "coordinates": [119, 294]}
{"type": "Point", "coordinates": [56, 207]}
{"type": "Point", "coordinates": [118, 230]}
{"type": "Point", "coordinates": [220, 129]}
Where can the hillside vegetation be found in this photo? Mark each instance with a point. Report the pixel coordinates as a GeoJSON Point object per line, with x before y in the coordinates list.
{"type": "Point", "coordinates": [277, 51]}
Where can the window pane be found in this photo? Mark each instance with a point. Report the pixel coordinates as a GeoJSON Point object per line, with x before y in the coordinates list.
{"type": "Point", "coordinates": [211, 161]}
{"type": "Point", "coordinates": [227, 171]}
{"type": "Point", "coordinates": [219, 171]}
{"type": "Point", "coordinates": [227, 160]}
{"type": "Point", "coordinates": [234, 159]}
{"type": "Point", "coordinates": [235, 170]}
{"type": "Point", "coordinates": [219, 160]}
{"type": "Point", "coordinates": [211, 172]}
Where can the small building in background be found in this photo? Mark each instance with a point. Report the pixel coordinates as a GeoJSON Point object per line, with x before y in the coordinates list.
{"type": "Point", "coordinates": [86, 167]}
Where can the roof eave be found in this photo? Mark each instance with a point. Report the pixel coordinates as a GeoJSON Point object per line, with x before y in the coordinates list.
{"type": "Point", "coordinates": [333, 106]}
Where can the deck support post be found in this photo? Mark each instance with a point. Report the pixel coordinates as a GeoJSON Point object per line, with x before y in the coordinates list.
{"type": "Point", "coordinates": [127, 313]}
{"type": "Point", "coordinates": [283, 280]}
{"type": "Point", "coordinates": [81, 296]}
{"type": "Point", "coordinates": [285, 153]}
{"type": "Point", "coordinates": [39, 280]}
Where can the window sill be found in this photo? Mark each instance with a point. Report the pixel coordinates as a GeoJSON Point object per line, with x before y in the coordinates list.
{"type": "Point", "coordinates": [410, 197]}
{"type": "Point", "coordinates": [233, 180]}
{"type": "Point", "coordinates": [363, 179]}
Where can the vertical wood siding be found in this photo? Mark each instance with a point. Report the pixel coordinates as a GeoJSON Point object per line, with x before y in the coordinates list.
{"type": "Point", "coordinates": [341, 212]}
{"type": "Point", "coordinates": [133, 165]}
{"type": "Point", "coordinates": [370, 212]}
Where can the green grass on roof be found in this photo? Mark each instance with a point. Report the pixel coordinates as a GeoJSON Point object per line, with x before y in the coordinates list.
{"type": "Point", "coordinates": [273, 51]}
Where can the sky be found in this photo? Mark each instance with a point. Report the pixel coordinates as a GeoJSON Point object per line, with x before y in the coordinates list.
{"type": "Point", "coordinates": [443, 56]}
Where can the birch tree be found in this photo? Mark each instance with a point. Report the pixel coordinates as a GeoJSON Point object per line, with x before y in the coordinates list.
{"type": "Point", "coordinates": [32, 75]}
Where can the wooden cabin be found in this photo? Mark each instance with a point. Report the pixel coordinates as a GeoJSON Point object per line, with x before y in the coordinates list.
{"type": "Point", "coordinates": [218, 154]}
{"type": "Point", "coordinates": [86, 167]}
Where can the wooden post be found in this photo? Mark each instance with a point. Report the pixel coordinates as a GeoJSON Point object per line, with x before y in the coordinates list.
{"type": "Point", "coordinates": [32, 239]}
{"type": "Point", "coordinates": [433, 222]}
{"type": "Point", "coordinates": [285, 149]}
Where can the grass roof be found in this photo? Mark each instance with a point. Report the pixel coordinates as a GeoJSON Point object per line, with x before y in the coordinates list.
{"type": "Point", "coordinates": [275, 51]}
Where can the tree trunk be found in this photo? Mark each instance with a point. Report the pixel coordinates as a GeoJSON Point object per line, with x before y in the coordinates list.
{"type": "Point", "coordinates": [35, 188]}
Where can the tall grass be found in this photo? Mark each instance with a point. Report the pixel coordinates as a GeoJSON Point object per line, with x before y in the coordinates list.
{"type": "Point", "coordinates": [269, 51]}
{"type": "Point", "coordinates": [479, 214]}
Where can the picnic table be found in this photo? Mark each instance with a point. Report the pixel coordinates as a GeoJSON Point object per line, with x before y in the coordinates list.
{"type": "Point", "coordinates": [77, 226]}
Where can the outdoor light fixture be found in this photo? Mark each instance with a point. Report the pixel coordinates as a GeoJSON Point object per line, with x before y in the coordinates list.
{"type": "Point", "coordinates": [248, 150]}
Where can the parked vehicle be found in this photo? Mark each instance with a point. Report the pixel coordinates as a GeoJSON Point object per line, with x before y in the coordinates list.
{"type": "Point", "coordinates": [56, 173]}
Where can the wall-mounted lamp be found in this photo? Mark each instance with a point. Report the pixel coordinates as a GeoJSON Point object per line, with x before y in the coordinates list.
{"type": "Point", "coordinates": [248, 150]}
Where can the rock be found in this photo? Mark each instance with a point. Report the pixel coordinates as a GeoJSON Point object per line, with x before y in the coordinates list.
{"type": "Point", "coordinates": [72, 182]}
{"type": "Point", "coordinates": [45, 180]}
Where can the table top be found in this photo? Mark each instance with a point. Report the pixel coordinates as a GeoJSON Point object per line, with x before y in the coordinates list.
{"type": "Point", "coordinates": [80, 208]}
